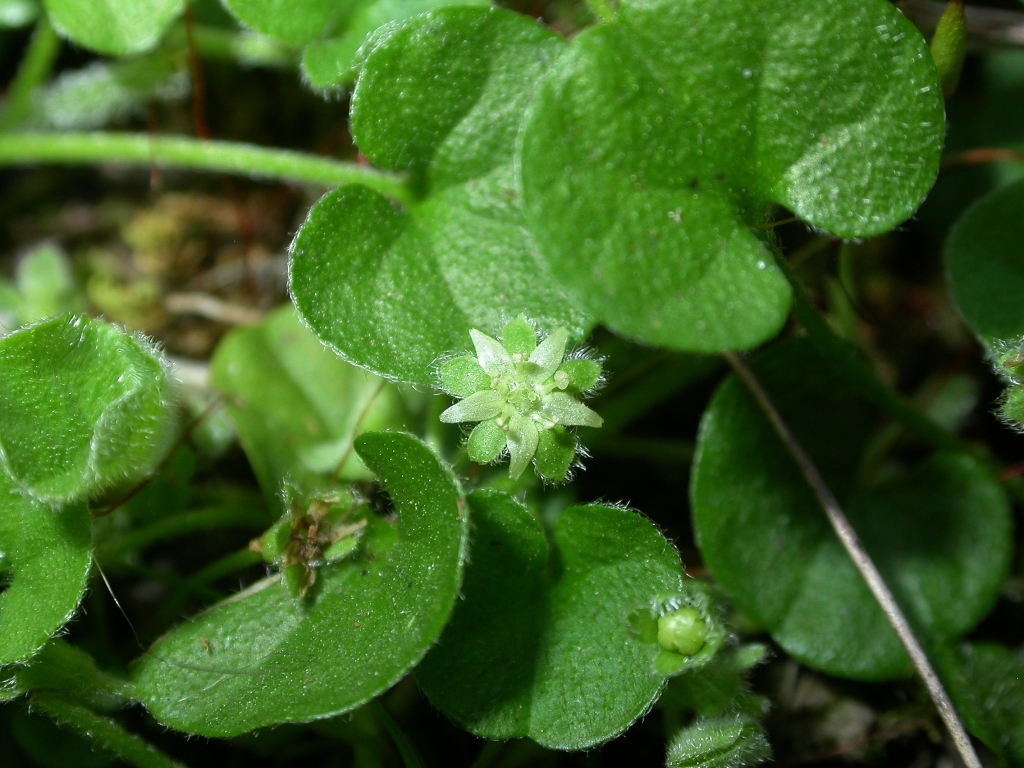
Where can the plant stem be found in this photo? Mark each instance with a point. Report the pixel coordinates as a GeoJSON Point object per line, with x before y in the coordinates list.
{"type": "Point", "coordinates": [184, 152]}
{"type": "Point", "coordinates": [855, 549]}
{"type": "Point", "coordinates": [162, 577]}
{"type": "Point", "coordinates": [33, 70]}
{"type": "Point", "coordinates": [410, 758]}
{"type": "Point", "coordinates": [242, 48]}
{"type": "Point", "coordinates": [488, 754]}
{"type": "Point", "coordinates": [602, 9]}
{"type": "Point", "coordinates": [205, 519]}
{"type": "Point", "coordinates": [804, 252]}
{"type": "Point", "coordinates": [625, 401]}
{"type": "Point", "coordinates": [104, 731]}
{"type": "Point", "coordinates": [841, 352]}
{"type": "Point", "coordinates": [236, 561]}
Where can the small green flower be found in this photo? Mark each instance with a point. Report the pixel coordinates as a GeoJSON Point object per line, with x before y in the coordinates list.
{"type": "Point", "coordinates": [523, 395]}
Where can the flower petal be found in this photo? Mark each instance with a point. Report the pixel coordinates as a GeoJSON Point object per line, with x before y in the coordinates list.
{"type": "Point", "coordinates": [477, 407]}
{"type": "Point", "coordinates": [493, 357]}
{"type": "Point", "coordinates": [548, 355]}
{"type": "Point", "coordinates": [562, 408]}
{"type": "Point", "coordinates": [522, 444]}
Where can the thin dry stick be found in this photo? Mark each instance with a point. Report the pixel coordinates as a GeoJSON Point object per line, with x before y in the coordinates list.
{"type": "Point", "coordinates": [851, 542]}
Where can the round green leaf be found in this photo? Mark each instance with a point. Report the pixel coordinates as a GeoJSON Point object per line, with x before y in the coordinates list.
{"type": "Point", "coordinates": [659, 139]}
{"type": "Point", "coordinates": [552, 657]}
{"type": "Point", "coordinates": [332, 61]}
{"type": "Point", "coordinates": [359, 280]}
{"type": "Point", "coordinates": [295, 22]}
{"type": "Point", "coordinates": [46, 285]}
{"type": "Point", "coordinates": [395, 291]}
{"type": "Point", "coordinates": [15, 14]}
{"type": "Point", "coordinates": [107, 91]}
{"type": "Point", "coordinates": [296, 406]}
{"type": "Point", "coordinates": [986, 683]}
{"type": "Point", "coordinates": [113, 27]}
{"type": "Point", "coordinates": [264, 657]}
{"type": "Point", "coordinates": [986, 264]}
{"type": "Point", "coordinates": [83, 406]}
{"type": "Point", "coordinates": [44, 565]}
{"type": "Point", "coordinates": [941, 534]}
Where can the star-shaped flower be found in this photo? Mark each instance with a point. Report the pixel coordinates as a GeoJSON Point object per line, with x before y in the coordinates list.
{"type": "Point", "coordinates": [523, 395]}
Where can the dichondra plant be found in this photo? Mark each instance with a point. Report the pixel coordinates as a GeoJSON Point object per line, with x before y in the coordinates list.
{"type": "Point", "coordinates": [549, 228]}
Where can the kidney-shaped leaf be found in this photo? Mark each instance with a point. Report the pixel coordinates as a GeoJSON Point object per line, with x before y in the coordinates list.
{"type": "Point", "coordinates": [660, 138]}
{"type": "Point", "coordinates": [332, 61]}
{"type": "Point", "coordinates": [264, 657]}
{"type": "Point", "coordinates": [986, 683]}
{"type": "Point", "coordinates": [295, 22]}
{"type": "Point", "coordinates": [547, 651]}
{"type": "Point", "coordinates": [442, 98]}
{"type": "Point", "coordinates": [941, 534]}
{"type": "Point", "coordinates": [44, 565]}
{"type": "Point", "coordinates": [986, 264]}
{"type": "Point", "coordinates": [296, 405]}
{"type": "Point", "coordinates": [113, 27]}
{"type": "Point", "coordinates": [83, 406]}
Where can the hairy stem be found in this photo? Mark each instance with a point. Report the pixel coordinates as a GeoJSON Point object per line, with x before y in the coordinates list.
{"type": "Point", "coordinates": [242, 48]}
{"type": "Point", "coordinates": [33, 71]}
{"type": "Point", "coordinates": [865, 566]}
{"type": "Point", "coordinates": [184, 152]}
{"type": "Point", "coordinates": [410, 758]}
{"type": "Point", "coordinates": [162, 577]}
{"type": "Point", "coordinates": [236, 561]}
{"type": "Point", "coordinates": [205, 519]}
{"type": "Point", "coordinates": [104, 731]}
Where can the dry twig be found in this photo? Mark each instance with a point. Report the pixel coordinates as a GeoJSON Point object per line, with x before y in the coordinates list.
{"type": "Point", "coordinates": [862, 560]}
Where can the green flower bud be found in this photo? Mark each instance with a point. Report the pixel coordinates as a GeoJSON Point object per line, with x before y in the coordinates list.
{"type": "Point", "coordinates": [685, 629]}
{"type": "Point", "coordinates": [522, 395]}
{"type": "Point", "coordinates": [682, 631]}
